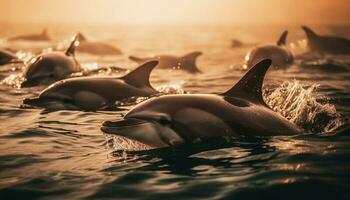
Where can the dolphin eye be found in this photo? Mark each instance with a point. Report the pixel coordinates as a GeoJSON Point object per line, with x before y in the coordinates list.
{"type": "Point", "coordinates": [163, 120]}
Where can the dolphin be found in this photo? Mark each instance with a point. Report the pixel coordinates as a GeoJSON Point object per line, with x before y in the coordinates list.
{"type": "Point", "coordinates": [43, 36]}
{"type": "Point", "coordinates": [280, 55]}
{"type": "Point", "coordinates": [175, 119]}
{"type": "Point", "coordinates": [50, 67]}
{"type": "Point", "coordinates": [186, 62]}
{"type": "Point", "coordinates": [95, 93]}
{"type": "Point", "coordinates": [7, 57]}
{"type": "Point", "coordinates": [98, 48]}
{"type": "Point", "coordinates": [326, 44]}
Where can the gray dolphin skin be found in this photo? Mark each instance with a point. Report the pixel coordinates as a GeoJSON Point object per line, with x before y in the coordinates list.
{"type": "Point", "coordinates": [281, 57]}
{"type": "Point", "coordinates": [47, 68]}
{"type": "Point", "coordinates": [174, 119]}
{"type": "Point", "coordinates": [186, 62]}
{"type": "Point", "coordinates": [94, 47]}
{"type": "Point", "coordinates": [7, 57]}
{"type": "Point", "coordinates": [43, 36]}
{"type": "Point", "coordinates": [95, 93]}
{"type": "Point", "coordinates": [326, 44]}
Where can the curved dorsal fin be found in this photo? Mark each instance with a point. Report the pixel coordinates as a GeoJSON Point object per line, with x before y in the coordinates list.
{"type": "Point", "coordinates": [71, 48]}
{"type": "Point", "coordinates": [309, 33]}
{"type": "Point", "coordinates": [139, 77]}
{"type": "Point", "coordinates": [44, 32]}
{"type": "Point", "coordinates": [283, 38]}
{"type": "Point", "coordinates": [190, 60]}
{"type": "Point", "coordinates": [81, 37]}
{"type": "Point", "coordinates": [250, 86]}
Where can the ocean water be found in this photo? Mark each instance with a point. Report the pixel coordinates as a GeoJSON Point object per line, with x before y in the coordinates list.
{"type": "Point", "coordinates": [64, 155]}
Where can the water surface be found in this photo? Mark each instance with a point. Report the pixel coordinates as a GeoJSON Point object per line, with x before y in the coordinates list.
{"type": "Point", "coordinates": [64, 154]}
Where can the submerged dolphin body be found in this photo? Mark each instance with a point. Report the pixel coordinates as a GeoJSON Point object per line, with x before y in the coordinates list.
{"type": "Point", "coordinates": [98, 48]}
{"type": "Point", "coordinates": [174, 119]}
{"type": "Point", "coordinates": [186, 62]}
{"type": "Point", "coordinates": [326, 44]}
{"type": "Point", "coordinates": [281, 57]}
{"type": "Point", "coordinates": [43, 36]}
{"type": "Point", "coordinates": [7, 57]}
{"type": "Point", "coordinates": [95, 93]}
{"type": "Point", "coordinates": [50, 67]}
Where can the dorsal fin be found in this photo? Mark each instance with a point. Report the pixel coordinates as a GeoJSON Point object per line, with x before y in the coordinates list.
{"type": "Point", "coordinates": [71, 48]}
{"type": "Point", "coordinates": [250, 86]}
{"type": "Point", "coordinates": [44, 32]}
{"type": "Point", "coordinates": [81, 37]}
{"type": "Point", "coordinates": [282, 40]}
{"type": "Point", "coordinates": [190, 60]}
{"type": "Point", "coordinates": [310, 34]}
{"type": "Point", "coordinates": [139, 77]}
{"type": "Point", "coordinates": [137, 59]}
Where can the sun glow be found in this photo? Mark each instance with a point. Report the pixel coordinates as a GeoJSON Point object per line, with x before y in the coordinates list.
{"type": "Point", "coordinates": [168, 12]}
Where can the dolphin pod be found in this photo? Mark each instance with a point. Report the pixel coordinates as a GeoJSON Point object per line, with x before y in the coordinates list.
{"type": "Point", "coordinates": [94, 47]}
{"type": "Point", "coordinates": [95, 93]}
{"type": "Point", "coordinates": [50, 67]}
{"type": "Point", "coordinates": [175, 119]}
{"type": "Point", "coordinates": [43, 36]}
{"type": "Point", "coordinates": [186, 62]}
{"type": "Point", "coordinates": [326, 44]}
{"type": "Point", "coordinates": [280, 55]}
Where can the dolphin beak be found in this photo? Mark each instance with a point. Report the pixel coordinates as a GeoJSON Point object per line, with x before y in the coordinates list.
{"type": "Point", "coordinates": [32, 101]}
{"type": "Point", "coordinates": [119, 127]}
{"type": "Point", "coordinates": [145, 132]}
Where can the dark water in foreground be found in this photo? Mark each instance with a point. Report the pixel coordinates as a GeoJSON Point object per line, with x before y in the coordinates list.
{"type": "Point", "coordinates": [64, 155]}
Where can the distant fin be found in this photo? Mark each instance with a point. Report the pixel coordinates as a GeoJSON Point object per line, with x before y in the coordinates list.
{"type": "Point", "coordinates": [282, 40]}
{"type": "Point", "coordinates": [190, 60]}
{"type": "Point", "coordinates": [137, 59]}
{"type": "Point", "coordinates": [81, 37]}
{"type": "Point", "coordinates": [44, 32]}
{"type": "Point", "coordinates": [309, 33]}
{"type": "Point", "coordinates": [250, 86]}
{"type": "Point", "coordinates": [139, 77]}
{"type": "Point", "coordinates": [71, 49]}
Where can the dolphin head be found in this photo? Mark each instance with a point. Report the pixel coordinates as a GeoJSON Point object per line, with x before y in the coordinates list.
{"type": "Point", "coordinates": [52, 98]}
{"type": "Point", "coordinates": [151, 122]}
{"type": "Point", "coordinates": [280, 56]}
{"type": "Point", "coordinates": [48, 67]}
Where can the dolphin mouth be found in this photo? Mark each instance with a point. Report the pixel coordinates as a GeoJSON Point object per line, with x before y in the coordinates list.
{"type": "Point", "coordinates": [50, 104]}
{"type": "Point", "coordinates": [145, 132]}
{"type": "Point", "coordinates": [120, 126]}
{"type": "Point", "coordinates": [32, 101]}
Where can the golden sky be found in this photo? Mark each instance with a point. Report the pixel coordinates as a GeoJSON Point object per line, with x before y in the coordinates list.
{"type": "Point", "coordinates": [202, 12]}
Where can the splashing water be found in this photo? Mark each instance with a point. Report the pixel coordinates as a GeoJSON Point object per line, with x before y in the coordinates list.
{"type": "Point", "coordinates": [117, 143]}
{"type": "Point", "coordinates": [171, 88]}
{"type": "Point", "coordinates": [13, 80]}
{"type": "Point", "coordinates": [298, 103]}
{"type": "Point", "coordinates": [26, 56]}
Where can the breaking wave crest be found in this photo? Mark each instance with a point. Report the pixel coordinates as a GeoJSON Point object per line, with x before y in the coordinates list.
{"type": "Point", "coordinates": [298, 103]}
